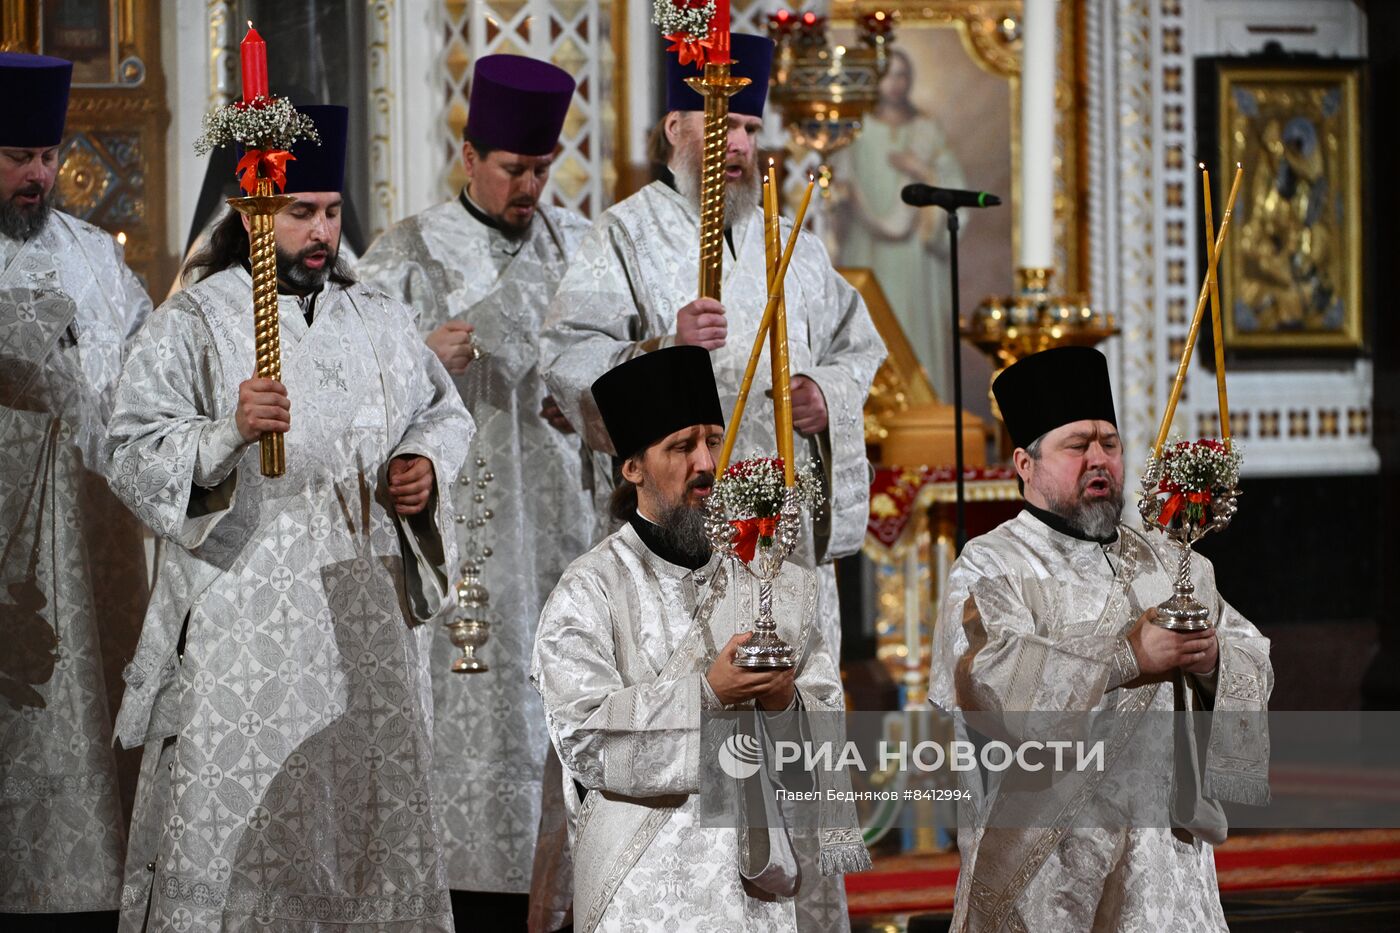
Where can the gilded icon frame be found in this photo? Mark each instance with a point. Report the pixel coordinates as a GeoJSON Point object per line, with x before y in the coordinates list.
{"type": "Point", "coordinates": [1292, 274]}
{"type": "Point", "coordinates": [989, 33]}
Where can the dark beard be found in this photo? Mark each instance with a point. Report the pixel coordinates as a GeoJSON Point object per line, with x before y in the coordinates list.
{"type": "Point", "coordinates": [683, 526]}
{"type": "Point", "coordinates": [514, 231]}
{"type": "Point", "coordinates": [21, 223]}
{"type": "Point", "coordinates": [1097, 520]}
{"type": "Point", "coordinates": [294, 272]}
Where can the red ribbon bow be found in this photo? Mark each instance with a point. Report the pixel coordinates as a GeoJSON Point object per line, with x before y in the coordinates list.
{"type": "Point", "coordinates": [259, 163]}
{"type": "Point", "coordinates": [747, 531]}
{"type": "Point", "coordinates": [690, 50]}
{"type": "Point", "coordinates": [1177, 500]}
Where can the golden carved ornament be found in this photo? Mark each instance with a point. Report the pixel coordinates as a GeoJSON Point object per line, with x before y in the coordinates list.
{"type": "Point", "coordinates": [82, 180]}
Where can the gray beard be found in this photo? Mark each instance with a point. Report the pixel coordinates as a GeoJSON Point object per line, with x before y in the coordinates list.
{"type": "Point", "coordinates": [20, 224]}
{"type": "Point", "coordinates": [740, 197]}
{"type": "Point", "coordinates": [683, 530]}
{"type": "Point", "coordinates": [1097, 520]}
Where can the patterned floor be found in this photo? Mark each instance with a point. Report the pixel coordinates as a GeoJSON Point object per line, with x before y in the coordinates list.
{"type": "Point", "coordinates": [1316, 882]}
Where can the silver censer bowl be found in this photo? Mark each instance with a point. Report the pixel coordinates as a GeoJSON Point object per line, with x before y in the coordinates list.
{"type": "Point", "coordinates": [469, 629]}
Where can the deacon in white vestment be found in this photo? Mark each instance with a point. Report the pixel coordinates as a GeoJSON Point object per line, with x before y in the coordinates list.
{"type": "Point", "coordinates": [280, 686]}
{"type": "Point", "coordinates": [72, 563]}
{"type": "Point", "coordinates": [631, 289]}
{"type": "Point", "coordinates": [1050, 612]}
{"type": "Point", "coordinates": [479, 270]}
{"type": "Point", "coordinates": [636, 640]}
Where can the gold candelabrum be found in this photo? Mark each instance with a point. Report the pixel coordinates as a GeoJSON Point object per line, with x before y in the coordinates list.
{"type": "Point", "coordinates": [824, 91]}
{"type": "Point", "coordinates": [1008, 328]}
{"type": "Point", "coordinates": [260, 208]}
{"type": "Point", "coordinates": [716, 86]}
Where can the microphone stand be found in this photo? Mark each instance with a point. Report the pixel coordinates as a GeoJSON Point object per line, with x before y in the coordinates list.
{"type": "Point", "coordinates": [961, 535]}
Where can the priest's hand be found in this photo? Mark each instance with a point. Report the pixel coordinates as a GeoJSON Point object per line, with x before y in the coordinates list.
{"type": "Point", "coordinates": [737, 685]}
{"type": "Point", "coordinates": [1160, 651]}
{"type": "Point", "coordinates": [452, 342]}
{"type": "Point", "coordinates": [410, 483]}
{"type": "Point", "coordinates": [809, 415]}
{"type": "Point", "coordinates": [779, 696]}
{"type": "Point", "coordinates": [550, 411]}
{"type": "Point", "coordinates": [702, 324]}
{"type": "Point", "coordinates": [263, 407]}
{"type": "Point", "coordinates": [1206, 655]}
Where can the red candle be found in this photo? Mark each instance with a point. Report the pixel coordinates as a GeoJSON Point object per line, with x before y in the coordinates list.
{"type": "Point", "coordinates": [253, 52]}
{"type": "Point", "coordinates": [720, 29]}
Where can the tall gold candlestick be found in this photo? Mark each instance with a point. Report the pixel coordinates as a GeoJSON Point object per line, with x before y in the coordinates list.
{"type": "Point", "coordinates": [716, 87]}
{"type": "Point", "coordinates": [260, 209]}
{"type": "Point", "coordinates": [1217, 327]}
{"type": "Point", "coordinates": [731, 431]}
{"type": "Point", "coordinates": [1175, 396]}
{"type": "Point", "coordinates": [778, 346]}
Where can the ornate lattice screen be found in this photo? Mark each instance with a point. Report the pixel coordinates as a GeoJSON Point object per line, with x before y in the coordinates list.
{"type": "Point", "coordinates": [576, 35]}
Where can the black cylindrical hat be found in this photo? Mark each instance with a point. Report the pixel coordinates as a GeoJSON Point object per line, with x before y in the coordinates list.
{"type": "Point", "coordinates": [1052, 388]}
{"type": "Point", "coordinates": [656, 394]}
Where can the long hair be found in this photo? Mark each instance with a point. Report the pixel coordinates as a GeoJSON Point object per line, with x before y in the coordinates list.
{"type": "Point", "coordinates": [904, 105]}
{"type": "Point", "coordinates": [228, 247]}
{"type": "Point", "coordinates": [659, 148]}
{"type": "Point", "coordinates": [622, 504]}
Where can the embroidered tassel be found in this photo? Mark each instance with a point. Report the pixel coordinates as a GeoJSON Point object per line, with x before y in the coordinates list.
{"type": "Point", "coordinates": [1235, 787]}
{"type": "Point", "coordinates": [842, 859]}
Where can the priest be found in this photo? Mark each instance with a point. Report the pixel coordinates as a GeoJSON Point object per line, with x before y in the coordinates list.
{"type": "Point", "coordinates": [280, 688]}
{"type": "Point", "coordinates": [636, 641]}
{"type": "Point", "coordinates": [1050, 613]}
{"type": "Point", "coordinates": [479, 271]}
{"type": "Point", "coordinates": [631, 290]}
{"type": "Point", "coordinates": [72, 564]}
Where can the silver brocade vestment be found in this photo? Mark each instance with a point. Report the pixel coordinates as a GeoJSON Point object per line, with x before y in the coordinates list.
{"type": "Point", "coordinates": [620, 657]}
{"type": "Point", "coordinates": [285, 784]}
{"type": "Point", "coordinates": [72, 567]}
{"type": "Point", "coordinates": [489, 737]}
{"type": "Point", "coordinates": [1047, 614]}
{"type": "Point", "coordinates": [638, 267]}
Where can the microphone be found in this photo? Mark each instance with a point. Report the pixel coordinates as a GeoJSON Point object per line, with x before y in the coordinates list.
{"type": "Point", "coordinates": [947, 198]}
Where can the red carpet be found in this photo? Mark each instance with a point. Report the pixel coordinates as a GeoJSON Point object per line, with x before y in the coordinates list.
{"type": "Point", "coordinates": [912, 883]}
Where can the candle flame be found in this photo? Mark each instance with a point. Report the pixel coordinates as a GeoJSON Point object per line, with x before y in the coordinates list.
{"type": "Point", "coordinates": [250, 24]}
{"type": "Point", "coordinates": [1238, 165]}
{"type": "Point", "coordinates": [121, 237]}
{"type": "Point", "coordinates": [1201, 166]}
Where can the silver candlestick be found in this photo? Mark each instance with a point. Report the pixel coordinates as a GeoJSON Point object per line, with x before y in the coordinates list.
{"type": "Point", "coordinates": [1182, 612]}
{"type": "Point", "coordinates": [764, 650]}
